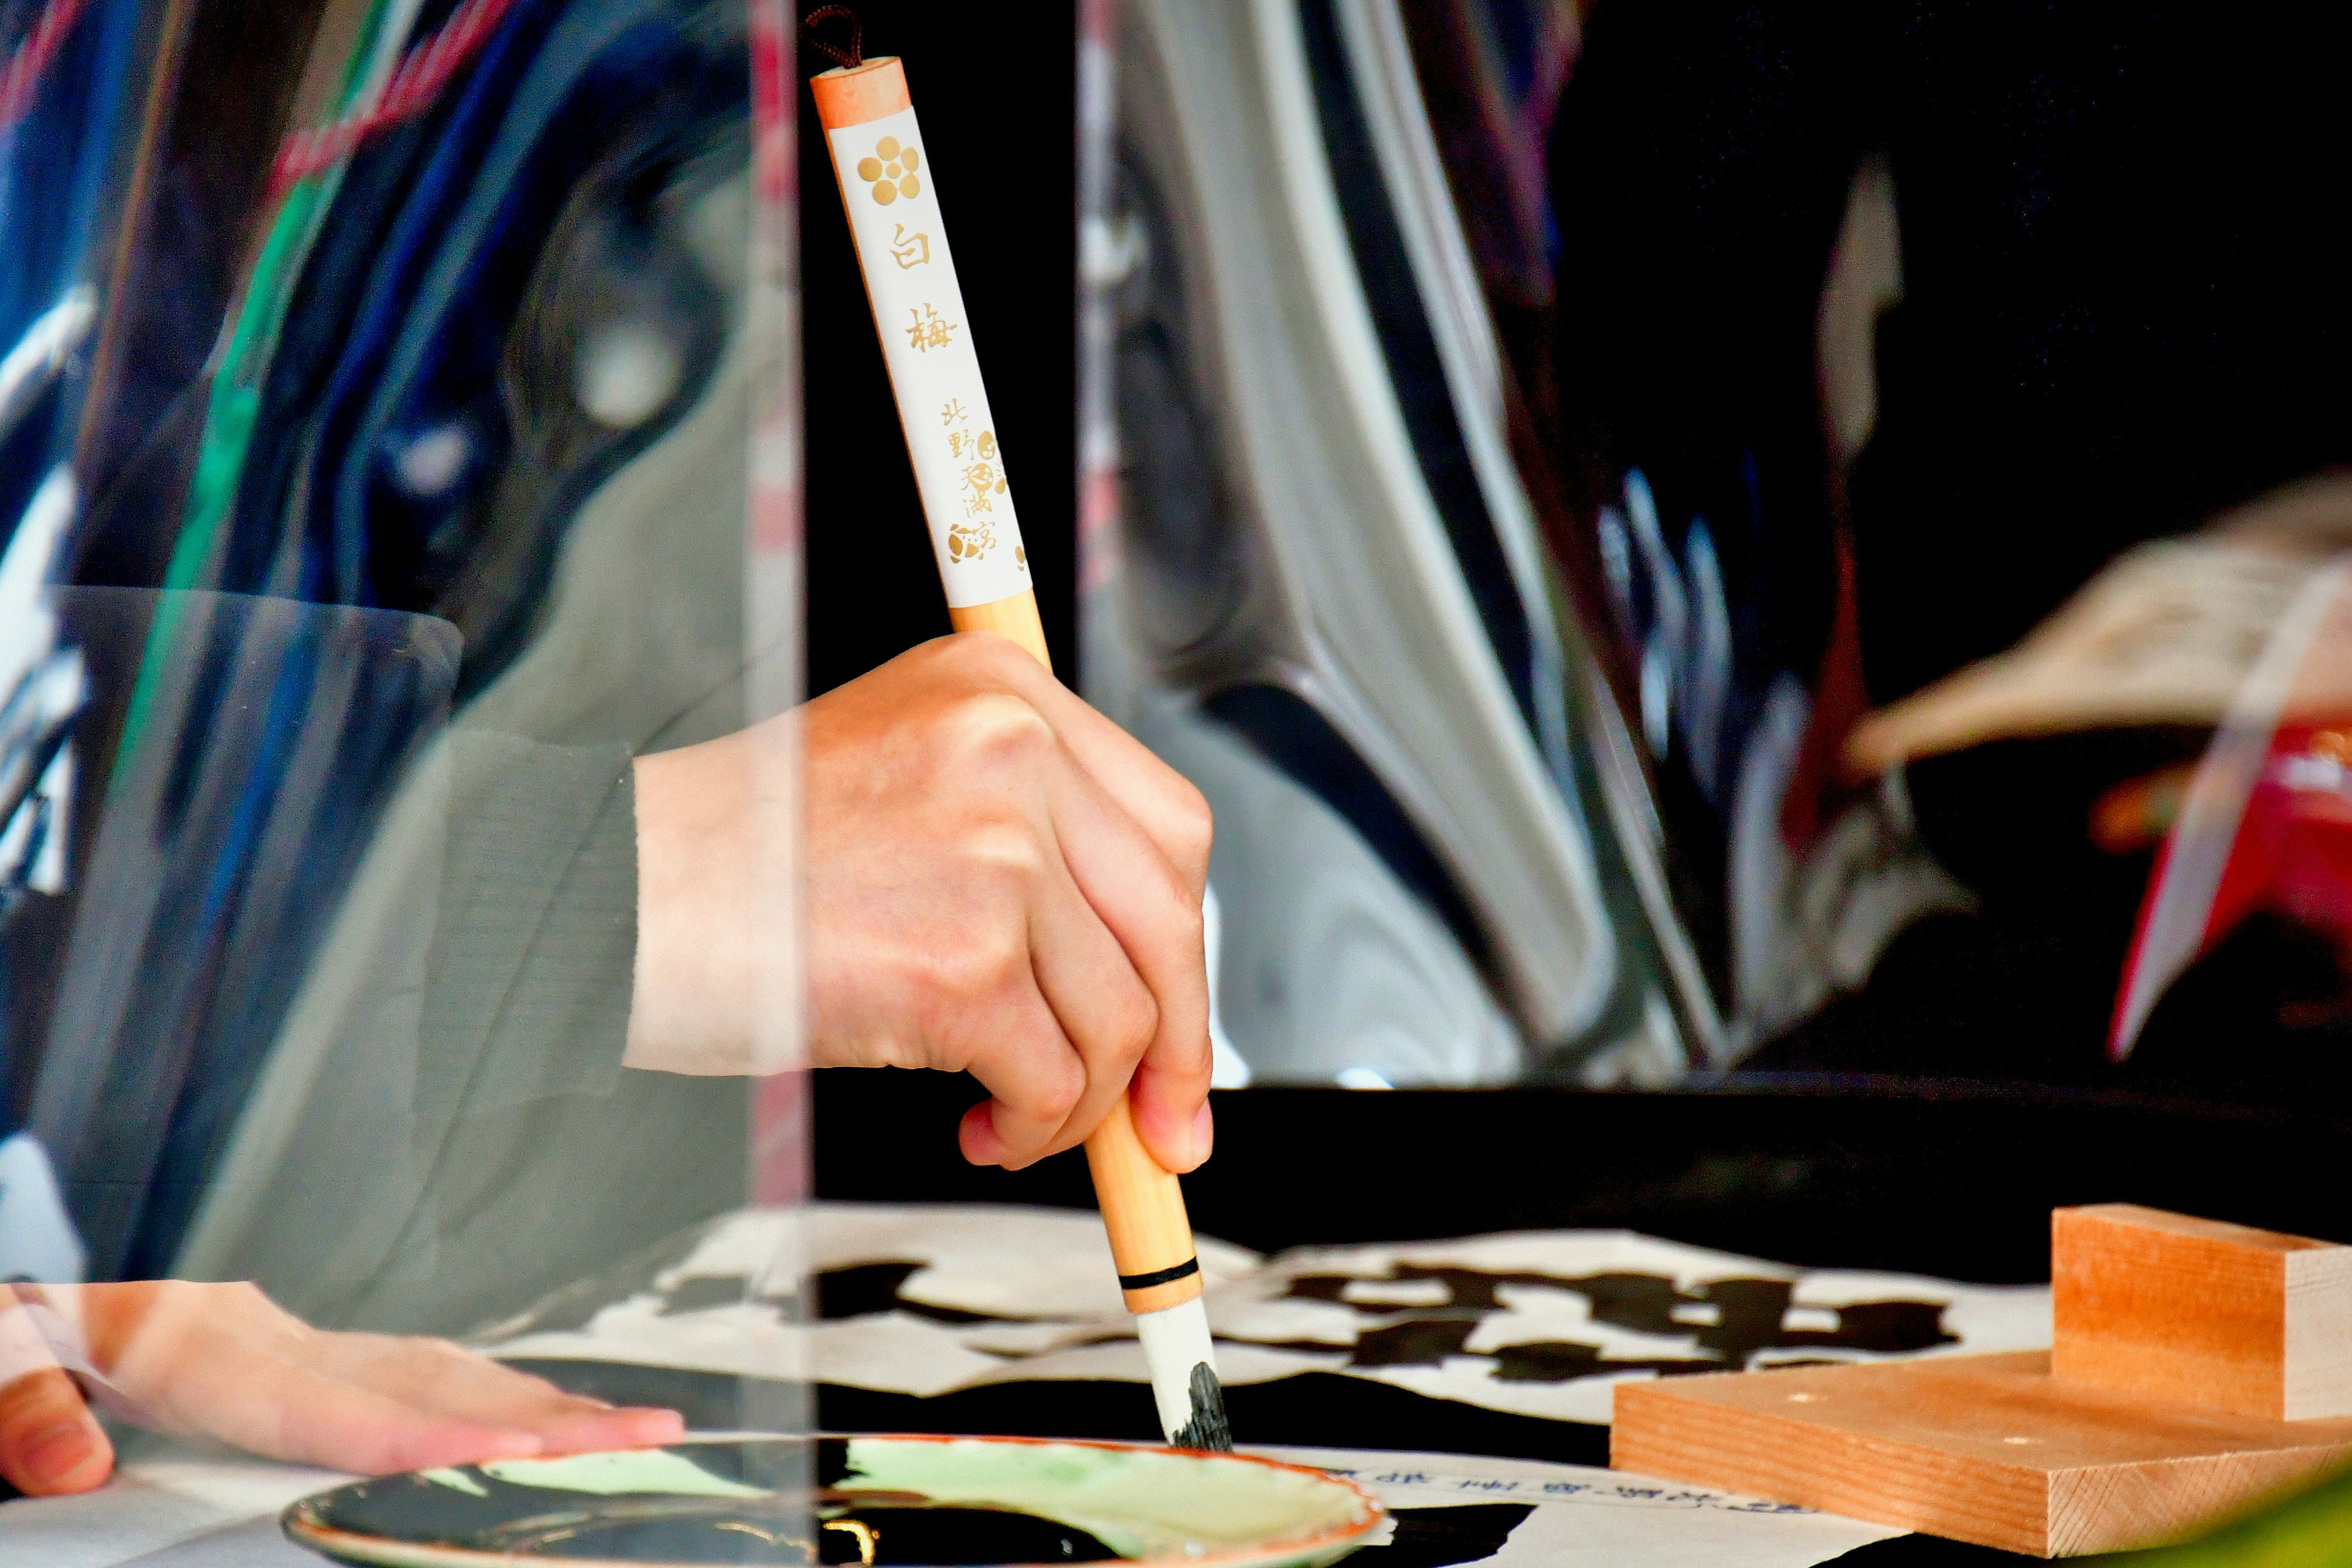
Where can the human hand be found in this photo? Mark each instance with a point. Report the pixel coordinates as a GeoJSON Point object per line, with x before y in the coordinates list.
{"type": "Point", "coordinates": [997, 879]}
{"type": "Point", "coordinates": [224, 1361]}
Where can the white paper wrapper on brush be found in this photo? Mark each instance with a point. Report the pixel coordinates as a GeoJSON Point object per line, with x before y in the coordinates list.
{"type": "Point", "coordinates": [888, 191]}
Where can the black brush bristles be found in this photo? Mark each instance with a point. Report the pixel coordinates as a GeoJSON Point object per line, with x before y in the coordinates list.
{"type": "Point", "coordinates": [1207, 1430]}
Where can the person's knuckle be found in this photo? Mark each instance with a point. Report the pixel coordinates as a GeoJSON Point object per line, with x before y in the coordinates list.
{"type": "Point", "coordinates": [973, 976]}
{"type": "Point", "coordinates": [1192, 824]}
{"type": "Point", "coordinates": [995, 730]}
{"type": "Point", "coordinates": [1179, 926]}
{"type": "Point", "coordinates": [1135, 1023]}
{"type": "Point", "coordinates": [1057, 1096]}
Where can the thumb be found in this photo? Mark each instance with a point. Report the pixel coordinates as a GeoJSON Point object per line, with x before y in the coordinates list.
{"type": "Point", "coordinates": [1171, 1115]}
{"type": "Point", "coordinates": [49, 1442]}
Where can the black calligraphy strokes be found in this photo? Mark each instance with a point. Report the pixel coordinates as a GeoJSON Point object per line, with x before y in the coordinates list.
{"type": "Point", "coordinates": [1442, 1537]}
{"type": "Point", "coordinates": [864, 1289]}
{"type": "Point", "coordinates": [883, 1536]}
{"type": "Point", "coordinates": [1728, 1321]}
{"type": "Point", "coordinates": [1416, 1342]}
{"type": "Point", "coordinates": [1558, 1362]}
{"type": "Point", "coordinates": [859, 1291]}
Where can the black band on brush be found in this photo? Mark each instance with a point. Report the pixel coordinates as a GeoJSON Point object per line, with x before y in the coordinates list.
{"type": "Point", "coordinates": [1183, 1270]}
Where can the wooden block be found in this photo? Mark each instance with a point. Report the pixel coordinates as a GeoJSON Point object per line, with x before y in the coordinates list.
{"type": "Point", "coordinates": [1991, 1449]}
{"type": "Point", "coordinates": [2195, 1311]}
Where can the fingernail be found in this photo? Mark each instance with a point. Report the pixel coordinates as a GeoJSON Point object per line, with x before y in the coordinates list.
{"type": "Point", "coordinates": [659, 1426]}
{"type": "Point", "coordinates": [57, 1451]}
{"type": "Point", "coordinates": [1204, 1132]}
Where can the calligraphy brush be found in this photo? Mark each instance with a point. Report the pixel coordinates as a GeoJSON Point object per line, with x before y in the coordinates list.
{"type": "Point", "coordinates": [888, 195]}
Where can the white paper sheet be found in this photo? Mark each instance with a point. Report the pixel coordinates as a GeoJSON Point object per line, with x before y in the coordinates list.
{"type": "Point", "coordinates": [1583, 1518]}
{"type": "Point", "coordinates": [1493, 1320]}
{"type": "Point", "coordinates": [155, 1505]}
{"type": "Point", "coordinates": [960, 1296]}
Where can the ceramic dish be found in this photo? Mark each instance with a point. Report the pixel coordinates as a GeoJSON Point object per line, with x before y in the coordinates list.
{"type": "Point", "coordinates": [885, 1501]}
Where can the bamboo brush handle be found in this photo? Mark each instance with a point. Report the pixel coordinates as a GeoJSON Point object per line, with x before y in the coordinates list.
{"type": "Point", "coordinates": [888, 190]}
{"type": "Point", "coordinates": [1015, 617]}
{"type": "Point", "coordinates": [1143, 1209]}
{"type": "Point", "coordinates": [1142, 1203]}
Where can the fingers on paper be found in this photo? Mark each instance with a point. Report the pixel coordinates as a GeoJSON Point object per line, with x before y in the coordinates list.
{"type": "Point", "coordinates": [444, 1381]}
{"type": "Point", "coordinates": [50, 1444]}
{"type": "Point", "coordinates": [289, 1410]}
{"type": "Point", "coordinates": [225, 1361]}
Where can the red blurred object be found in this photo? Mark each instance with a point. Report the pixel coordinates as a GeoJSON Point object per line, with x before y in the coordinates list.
{"type": "Point", "coordinates": [2267, 823]}
{"type": "Point", "coordinates": [2294, 851]}
{"type": "Point", "coordinates": [27, 60]}
{"type": "Point", "coordinates": [415, 82]}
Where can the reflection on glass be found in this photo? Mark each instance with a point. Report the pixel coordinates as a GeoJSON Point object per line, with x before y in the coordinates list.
{"type": "Point", "coordinates": [1678, 549]}
{"type": "Point", "coordinates": [378, 381]}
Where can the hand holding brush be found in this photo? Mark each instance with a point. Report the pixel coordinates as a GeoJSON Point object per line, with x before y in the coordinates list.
{"type": "Point", "coordinates": [888, 189]}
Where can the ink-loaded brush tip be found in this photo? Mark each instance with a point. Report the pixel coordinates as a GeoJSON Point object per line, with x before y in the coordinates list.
{"type": "Point", "coordinates": [1207, 1430]}
{"type": "Point", "coordinates": [1185, 1384]}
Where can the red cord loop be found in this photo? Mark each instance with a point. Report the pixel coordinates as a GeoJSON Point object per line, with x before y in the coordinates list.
{"type": "Point", "coordinates": [849, 59]}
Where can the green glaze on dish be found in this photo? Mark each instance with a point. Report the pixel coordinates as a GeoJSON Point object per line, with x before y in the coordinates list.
{"type": "Point", "coordinates": [636, 1472]}
{"type": "Point", "coordinates": [1141, 1502]}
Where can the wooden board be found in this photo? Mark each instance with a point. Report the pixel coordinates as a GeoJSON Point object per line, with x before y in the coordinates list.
{"type": "Point", "coordinates": [2195, 1311]}
{"type": "Point", "coordinates": [1984, 1448]}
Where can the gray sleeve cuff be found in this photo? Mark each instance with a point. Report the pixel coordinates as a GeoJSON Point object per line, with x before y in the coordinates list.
{"type": "Point", "coordinates": [535, 941]}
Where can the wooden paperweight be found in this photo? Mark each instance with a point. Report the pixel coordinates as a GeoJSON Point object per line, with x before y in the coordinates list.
{"type": "Point", "coordinates": [2202, 1312]}
{"type": "Point", "coordinates": [2232, 1328]}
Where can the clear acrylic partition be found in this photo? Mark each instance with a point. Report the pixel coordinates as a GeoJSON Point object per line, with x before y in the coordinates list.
{"type": "Point", "coordinates": [1314, 574]}
{"type": "Point", "coordinates": [398, 438]}
{"type": "Point", "coordinates": [1446, 519]}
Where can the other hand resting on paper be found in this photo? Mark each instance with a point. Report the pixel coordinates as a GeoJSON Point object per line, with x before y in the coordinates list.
{"type": "Point", "coordinates": [996, 878]}
{"type": "Point", "coordinates": [223, 1362]}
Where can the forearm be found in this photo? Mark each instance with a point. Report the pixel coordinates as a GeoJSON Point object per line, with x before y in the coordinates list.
{"type": "Point", "coordinates": [535, 935]}
{"type": "Point", "coordinates": [699, 977]}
